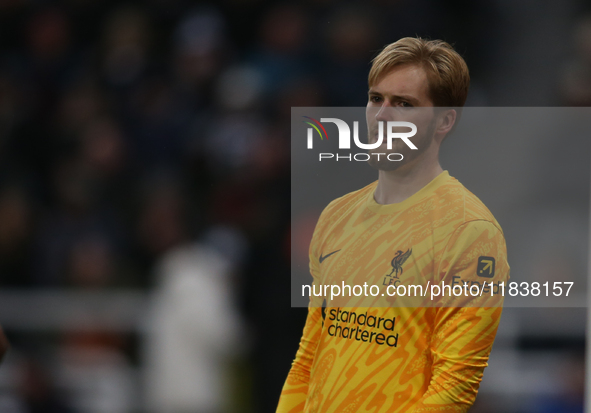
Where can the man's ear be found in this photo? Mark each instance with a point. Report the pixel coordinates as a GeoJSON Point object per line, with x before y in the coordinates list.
{"type": "Point", "coordinates": [445, 123]}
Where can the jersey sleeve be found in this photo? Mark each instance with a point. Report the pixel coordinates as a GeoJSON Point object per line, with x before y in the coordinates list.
{"type": "Point", "coordinates": [295, 390]}
{"type": "Point", "coordinates": [464, 333]}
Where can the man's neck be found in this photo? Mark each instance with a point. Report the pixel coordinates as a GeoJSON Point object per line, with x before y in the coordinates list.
{"type": "Point", "coordinates": [398, 185]}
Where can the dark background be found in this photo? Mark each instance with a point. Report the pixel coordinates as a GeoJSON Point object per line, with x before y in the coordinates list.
{"type": "Point", "coordinates": [129, 130]}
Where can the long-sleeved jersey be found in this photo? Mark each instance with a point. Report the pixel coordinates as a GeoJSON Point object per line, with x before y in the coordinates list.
{"type": "Point", "coordinates": [370, 352]}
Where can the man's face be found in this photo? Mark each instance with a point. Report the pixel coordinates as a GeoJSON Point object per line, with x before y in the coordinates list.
{"type": "Point", "coordinates": [400, 95]}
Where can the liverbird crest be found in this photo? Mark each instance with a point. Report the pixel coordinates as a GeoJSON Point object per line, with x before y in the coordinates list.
{"type": "Point", "coordinates": [397, 262]}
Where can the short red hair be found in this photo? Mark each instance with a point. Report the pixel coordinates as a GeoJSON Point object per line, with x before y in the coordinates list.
{"type": "Point", "coordinates": [449, 78]}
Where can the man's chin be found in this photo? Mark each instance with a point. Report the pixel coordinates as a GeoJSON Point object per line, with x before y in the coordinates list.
{"type": "Point", "coordinates": [379, 160]}
{"type": "Point", "coordinates": [385, 165]}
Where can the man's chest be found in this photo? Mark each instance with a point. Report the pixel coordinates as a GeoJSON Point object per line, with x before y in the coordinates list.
{"type": "Point", "coordinates": [385, 259]}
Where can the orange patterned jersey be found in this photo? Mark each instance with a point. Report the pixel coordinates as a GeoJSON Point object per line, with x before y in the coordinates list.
{"type": "Point", "coordinates": [370, 352]}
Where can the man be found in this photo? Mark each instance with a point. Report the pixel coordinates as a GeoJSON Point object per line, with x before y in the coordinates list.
{"type": "Point", "coordinates": [415, 225]}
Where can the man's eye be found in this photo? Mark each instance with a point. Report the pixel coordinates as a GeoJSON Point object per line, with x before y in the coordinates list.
{"type": "Point", "coordinates": [375, 99]}
{"type": "Point", "coordinates": [405, 104]}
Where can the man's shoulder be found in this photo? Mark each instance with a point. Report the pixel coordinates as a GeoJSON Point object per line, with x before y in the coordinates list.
{"type": "Point", "coordinates": [468, 207]}
{"type": "Point", "coordinates": [335, 212]}
{"type": "Point", "coordinates": [350, 200]}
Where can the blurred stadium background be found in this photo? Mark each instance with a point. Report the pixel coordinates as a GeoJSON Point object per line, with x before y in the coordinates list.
{"type": "Point", "coordinates": [145, 201]}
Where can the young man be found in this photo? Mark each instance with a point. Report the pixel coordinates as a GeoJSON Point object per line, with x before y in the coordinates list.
{"type": "Point", "coordinates": [415, 225]}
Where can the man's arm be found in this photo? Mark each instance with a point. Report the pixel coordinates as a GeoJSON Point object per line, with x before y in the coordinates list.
{"type": "Point", "coordinates": [463, 336]}
{"type": "Point", "coordinates": [4, 345]}
{"type": "Point", "coordinates": [295, 390]}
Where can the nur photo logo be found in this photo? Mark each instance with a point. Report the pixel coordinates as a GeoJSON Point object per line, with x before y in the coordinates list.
{"type": "Point", "coordinates": [344, 139]}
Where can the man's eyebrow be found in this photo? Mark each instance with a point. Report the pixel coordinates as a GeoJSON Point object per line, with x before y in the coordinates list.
{"type": "Point", "coordinates": [406, 97]}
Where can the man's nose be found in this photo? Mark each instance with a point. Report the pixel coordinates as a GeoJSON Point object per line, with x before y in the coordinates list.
{"type": "Point", "coordinates": [385, 113]}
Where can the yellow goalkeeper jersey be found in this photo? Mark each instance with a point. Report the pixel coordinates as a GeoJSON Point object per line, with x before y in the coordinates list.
{"type": "Point", "coordinates": [366, 352]}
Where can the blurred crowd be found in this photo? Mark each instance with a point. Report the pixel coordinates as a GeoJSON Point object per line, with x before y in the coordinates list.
{"type": "Point", "coordinates": [134, 136]}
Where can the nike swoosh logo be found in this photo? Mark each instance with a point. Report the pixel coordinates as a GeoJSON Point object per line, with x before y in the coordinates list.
{"type": "Point", "coordinates": [326, 256]}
